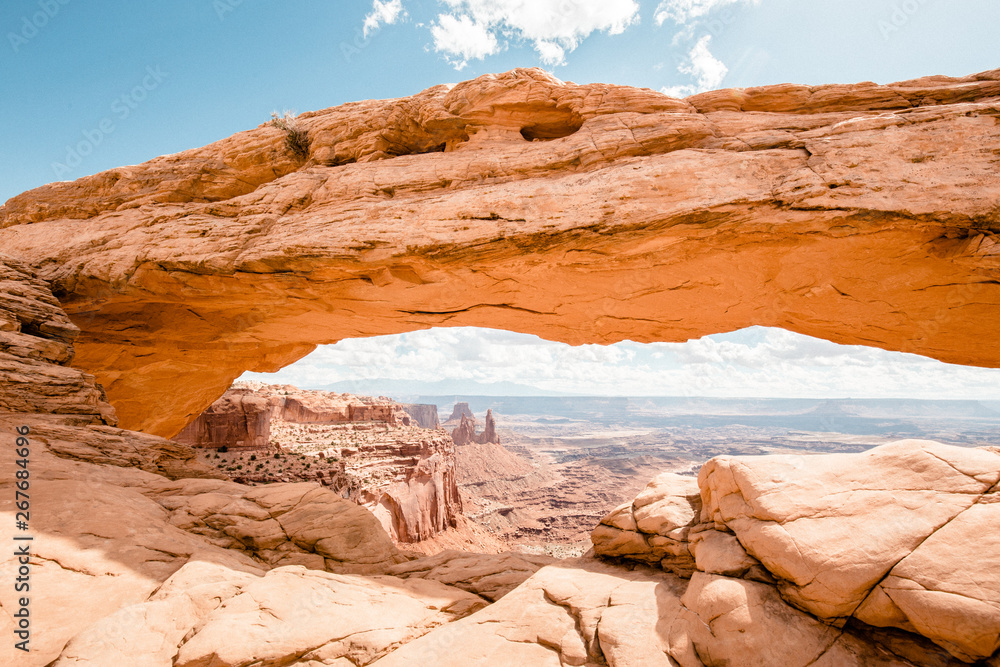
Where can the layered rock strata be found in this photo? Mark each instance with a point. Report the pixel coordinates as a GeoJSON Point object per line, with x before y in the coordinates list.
{"type": "Point", "coordinates": [863, 214]}
{"type": "Point", "coordinates": [241, 418]}
{"type": "Point", "coordinates": [406, 475]}
{"type": "Point", "coordinates": [367, 450]}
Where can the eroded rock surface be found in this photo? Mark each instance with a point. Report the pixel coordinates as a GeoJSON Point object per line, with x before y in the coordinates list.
{"type": "Point", "coordinates": [863, 214]}
{"type": "Point", "coordinates": [368, 450]}
{"type": "Point", "coordinates": [896, 537]}
{"type": "Point", "coordinates": [208, 615]}
{"type": "Point", "coordinates": [115, 514]}
{"type": "Point", "coordinates": [488, 575]}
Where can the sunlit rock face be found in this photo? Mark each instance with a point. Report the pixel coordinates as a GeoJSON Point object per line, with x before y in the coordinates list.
{"type": "Point", "coordinates": [896, 537]}
{"type": "Point", "coordinates": [582, 213]}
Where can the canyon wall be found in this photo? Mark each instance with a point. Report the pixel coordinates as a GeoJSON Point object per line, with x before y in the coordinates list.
{"type": "Point", "coordinates": [238, 419]}
{"type": "Point", "coordinates": [368, 450]}
{"type": "Point", "coordinates": [241, 418]}
{"type": "Point", "coordinates": [863, 214]}
{"type": "Point", "coordinates": [426, 416]}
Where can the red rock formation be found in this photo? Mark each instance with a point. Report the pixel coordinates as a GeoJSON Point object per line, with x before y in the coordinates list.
{"type": "Point", "coordinates": [425, 502]}
{"type": "Point", "coordinates": [864, 214]}
{"type": "Point", "coordinates": [489, 433]}
{"type": "Point", "coordinates": [241, 418]}
{"type": "Point", "coordinates": [311, 406]}
{"type": "Point", "coordinates": [426, 416]}
{"type": "Point", "coordinates": [465, 432]}
{"type": "Point", "coordinates": [238, 420]}
{"type": "Point", "coordinates": [403, 473]}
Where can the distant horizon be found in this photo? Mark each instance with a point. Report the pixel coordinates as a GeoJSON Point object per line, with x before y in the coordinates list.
{"type": "Point", "coordinates": [756, 362]}
{"type": "Point", "coordinates": [628, 396]}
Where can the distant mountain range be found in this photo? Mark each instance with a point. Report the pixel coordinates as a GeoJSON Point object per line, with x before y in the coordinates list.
{"type": "Point", "coordinates": [862, 416]}
{"type": "Point", "coordinates": [408, 390]}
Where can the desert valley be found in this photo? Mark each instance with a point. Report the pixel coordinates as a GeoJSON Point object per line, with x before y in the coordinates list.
{"type": "Point", "coordinates": [540, 479]}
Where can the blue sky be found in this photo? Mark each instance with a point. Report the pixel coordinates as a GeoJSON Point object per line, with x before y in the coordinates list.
{"type": "Point", "coordinates": [224, 65]}
{"type": "Point", "coordinates": [134, 80]}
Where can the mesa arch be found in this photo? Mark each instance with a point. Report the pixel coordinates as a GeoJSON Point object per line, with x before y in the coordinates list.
{"type": "Point", "coordinates": [863, 214]}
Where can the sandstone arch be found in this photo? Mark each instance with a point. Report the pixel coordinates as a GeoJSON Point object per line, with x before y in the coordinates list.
{"type": "Point", "coordinates": [862, 214]}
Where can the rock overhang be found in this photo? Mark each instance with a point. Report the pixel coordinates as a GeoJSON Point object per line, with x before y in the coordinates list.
{"type": "Point", "coordinates": [863, 214]}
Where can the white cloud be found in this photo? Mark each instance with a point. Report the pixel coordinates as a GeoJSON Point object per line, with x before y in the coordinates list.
{"type": "Point", "coordinates": [463, 38]}
{"type": "Point", "coordinates": [707, 71]}
{"type": "Point", "coordinates": [685, 11]}
{"type": "Point", "coordinates": [754, 362]}
{"type": "Point", "coordinates": [383, 13]}
{"type": "Point", "coordinates": [471, 29]}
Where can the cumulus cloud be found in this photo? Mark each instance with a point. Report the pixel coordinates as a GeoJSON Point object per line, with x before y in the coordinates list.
{"type": "Point", "coordinates": [473, 29]}
{"type": "Point", "coordinates": [758, 361]}
{"type": "Point", "coordinates": [383, 13]}
{"type": "Point", "coordinates": [683, 12]}
{"type": "Point", "coordinates": [707, 71]}
{"type": "Point", "coordinates": [463, 39]}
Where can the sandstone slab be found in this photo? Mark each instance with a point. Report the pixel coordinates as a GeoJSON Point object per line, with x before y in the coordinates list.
{"type": "Point", "coordinates": [830, 527]}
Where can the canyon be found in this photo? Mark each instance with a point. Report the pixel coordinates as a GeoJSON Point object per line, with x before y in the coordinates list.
{"type": "Point", "coordinates": [132, 299]}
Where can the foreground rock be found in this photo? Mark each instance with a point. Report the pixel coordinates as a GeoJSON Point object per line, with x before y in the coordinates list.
{"type": "Point", "coordinates": [489, 576]}
{"type": "Point", "coordinates": [864, 214]}
{"type": "Point", "coordinates": [114, 514]}
{"type": "Point", "coordinates": [584, 612]}
{"type": "Point", "coordinates": [209, 615]}
{"type": "Point", "coordinates": [896, 537]}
